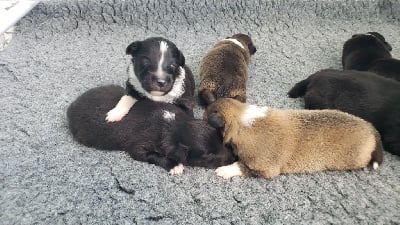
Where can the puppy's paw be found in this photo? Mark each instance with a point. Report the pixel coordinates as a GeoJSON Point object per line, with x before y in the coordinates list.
{"type": "Point", "coordinates": [227, 172]}
{"type": "Point", "coordinates": [177, 170]}
{"type": "Point", "coordinates": [115, 115]}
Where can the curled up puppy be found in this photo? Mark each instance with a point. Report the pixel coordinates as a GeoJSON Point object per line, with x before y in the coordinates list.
{"type": "Point", "coordinates": [270, 142]}
{"type": "Point", "coordinates": [157, 71]}
{"type": "Point", "coordinates": [155, 132]}
{"type": "Point", "coordinates": [223, 70]}
{"type": "Point", "coordinates": [370, 52]}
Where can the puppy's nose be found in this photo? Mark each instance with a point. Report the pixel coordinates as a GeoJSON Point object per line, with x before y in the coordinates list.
{"type": "Point", "coordinates": [161, 82]}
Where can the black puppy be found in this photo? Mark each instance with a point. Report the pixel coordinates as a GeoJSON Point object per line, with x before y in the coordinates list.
{"type": "Point", "coordinates": [362, 49]}
{"type": "Point", "coordinates": [364, 94]}
{"type": "Point", "coordinates": [155, 132]}
{"type": "Point", "coordinates": [158, 72]}
{"type": "Point", "coordinates": [370, 52]}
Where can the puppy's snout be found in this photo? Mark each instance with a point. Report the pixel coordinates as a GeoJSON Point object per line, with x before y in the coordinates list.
{"type": "Point", "coordinates": [161, 82]}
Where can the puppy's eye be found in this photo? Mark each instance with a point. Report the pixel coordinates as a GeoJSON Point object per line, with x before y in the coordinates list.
{"type": "Point", "coordinates": [145, 61]}
{"type": "Point", "coordinates": [173, 67]}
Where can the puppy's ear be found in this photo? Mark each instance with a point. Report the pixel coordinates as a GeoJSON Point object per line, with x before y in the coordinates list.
{"type": "Point", "coordinates": [252, 48]}
{"type": "Point", "coordinates": [216, 120]}
{"type": "Point", "coordinates": [133, 48]}
{"type": "Point", "coordinates": [181, 58]}
{"type": "Point", "coordinates": [388, 46]}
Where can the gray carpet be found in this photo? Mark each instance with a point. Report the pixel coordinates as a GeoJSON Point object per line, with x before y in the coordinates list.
{"type": "Point", "coordinates": [63, 48]}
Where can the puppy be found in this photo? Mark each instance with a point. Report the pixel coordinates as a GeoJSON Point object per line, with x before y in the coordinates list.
{"type": "Point", "coordinates": [364, 94]}
{"type": "Point", "coordinates": [389, 68]}
{"type": "Point", "coordinates": [157, 71]}
{"type": "Point", "coordinates": [223, 70]}
{"type": "Point", "coordinates": [363, 49]}
{"type": "Point", "coordinates": [270, 142]}
{"type": "Point", "coordinates": [155, 132]}
{"type": "Point", "coordinates": [370, 52]}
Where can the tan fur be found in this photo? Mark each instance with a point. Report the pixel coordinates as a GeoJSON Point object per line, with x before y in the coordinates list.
{"type": "Point", "coordinates": [223, 70]}
{"type": "Point", "coordinates": [297, 141]}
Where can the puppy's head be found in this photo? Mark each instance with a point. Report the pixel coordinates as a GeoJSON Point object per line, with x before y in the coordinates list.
{"type": "Point", "coordinates": [223, 110]}
{"type": "Point", "coordinates": [370, 39]}
{"type": "Point", "coordinates": [157, 63]}
{"type": "Point", "coordinates": [246, 41]}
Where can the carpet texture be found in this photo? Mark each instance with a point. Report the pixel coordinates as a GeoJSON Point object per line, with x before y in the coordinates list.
{"type": "Point", "coordinates": [63, 48]}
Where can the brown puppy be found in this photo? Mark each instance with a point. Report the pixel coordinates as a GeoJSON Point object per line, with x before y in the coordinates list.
{"type": "Point", "coordinates": [223, 70]}
{"type": "Point", "coordinates": [270, 142]}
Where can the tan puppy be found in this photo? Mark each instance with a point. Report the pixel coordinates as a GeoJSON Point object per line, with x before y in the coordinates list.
{"type": "Point", "coordinates": [270, 142]}
{"type": "Point", "coordinates": [223, 70]}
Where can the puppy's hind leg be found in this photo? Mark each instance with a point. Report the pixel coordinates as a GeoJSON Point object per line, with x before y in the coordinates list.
{"type": "Point", "coordinates": [158, 159]}
{"type": "Point", "coordinates": [121, 109]}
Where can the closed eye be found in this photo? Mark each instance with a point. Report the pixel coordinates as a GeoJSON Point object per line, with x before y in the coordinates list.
{"type": "Point", "coordinates": [145, 61]}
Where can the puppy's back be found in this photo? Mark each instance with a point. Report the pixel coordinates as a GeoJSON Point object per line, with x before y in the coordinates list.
{"type": "Point", "coordinates": [332, 140]}
{"type": "Point", "coordinates": [223, 73]}
{"type": "Point", "coordinates": [142, 125]}
{"type": "Point", "coordinates": [86, 117]}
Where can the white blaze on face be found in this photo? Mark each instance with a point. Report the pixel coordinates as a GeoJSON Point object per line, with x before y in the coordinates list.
{"type": "Point", "coordinates": [163, 49]}
{"type": "Point", "coordinates": [168, 116]}
{"type": "Point", "coordinates": [234, 41]}
{"type": "Point", "coordinates": [252, 113]}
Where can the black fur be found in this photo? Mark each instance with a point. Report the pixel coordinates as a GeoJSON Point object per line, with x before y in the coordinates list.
{"type": "Point", "coordinates": [362, 49]}
{"type": "Point", "coordinates": [144, 133]}
{"type": "Point", "coordinates": [364, 94]}
{"type": "Point", "coordinates": [370, 52]}
{"type": "Point", "coordinates": [389, 68]}
{"type": "Point", "coordinates": [145, 57]}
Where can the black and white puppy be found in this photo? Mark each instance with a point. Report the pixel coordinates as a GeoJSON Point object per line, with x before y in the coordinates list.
{"type": "Point", "coordinates": [155, 132]}
{"type": "Point", "coordinates": [363, 94]}
{"type": "Point", "coordinates": [157, 71]}
{"type": "Point", "coordinates": [361, 50]}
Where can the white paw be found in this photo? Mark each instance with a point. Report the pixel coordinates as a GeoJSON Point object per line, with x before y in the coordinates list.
{"type": "Point", "coordinates": [177, 170]}
{"type": "Point", "coordinates": [227, 172]}
{"type": "Point", "coordinates": [115, 115]}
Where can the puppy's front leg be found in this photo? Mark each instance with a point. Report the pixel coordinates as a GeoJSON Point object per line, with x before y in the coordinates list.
{"type": "Point", "coordinates": [121, 109]}
{"type": "Point", "coordinates": [232, 170]}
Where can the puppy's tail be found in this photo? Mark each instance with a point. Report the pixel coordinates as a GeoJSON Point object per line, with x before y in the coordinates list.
{"type": "Point", "coordinates": [377, 154]}
{"type": "Point", "coordinates": [299, 89]}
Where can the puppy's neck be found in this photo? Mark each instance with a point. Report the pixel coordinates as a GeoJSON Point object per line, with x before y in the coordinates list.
{"type": "Point", "coordinates": [251, 113]}
{"type": "Point", "coordinates": [236, 42]}
{"type": "Point", "coordinates": [178, 89]}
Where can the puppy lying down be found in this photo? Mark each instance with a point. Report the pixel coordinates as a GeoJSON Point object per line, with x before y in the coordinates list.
{"type": "Point", "coordinates": [370, 52]}
{"type": "Point", "coordinates": [372, 97]}
{"type": "Point", "coordinates": [223, 71]}
{"type": "Point", "coordinates": [270, 142]}
{"type": "Point", "coordinates": [155, 132]}
{"type": "Point", "coordinates": [156, 71]}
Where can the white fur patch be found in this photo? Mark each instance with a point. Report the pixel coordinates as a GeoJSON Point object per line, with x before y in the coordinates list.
{"type": "Point", "coordinates": [227, 172]}
{"type": "Point", "coordinates": [234, 41]}
{"type": "Point", "coordinates": [168, 116]}
{"type": "Point", "coordinates": [163, 49]}
{"type": "Point", "coordinates": [375, 165]}
{"type": "Point", "coordinates": [177, 169]}
{"type": "Point", "coordinates": [121, 109]}
{"type": "Point", "coordinates": [252, 113]}
{"type": "Point", "coordinates": [176, 91]}
{"type": "Point", "coordinates": [157, 93]}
